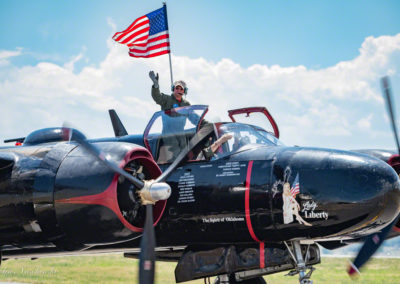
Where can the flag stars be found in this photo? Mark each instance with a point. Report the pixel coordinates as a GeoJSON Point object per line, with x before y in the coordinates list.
{"type": "Point", "coordinates": [157, 22]}
{"type": "Point", "coordinates": [147, 36]}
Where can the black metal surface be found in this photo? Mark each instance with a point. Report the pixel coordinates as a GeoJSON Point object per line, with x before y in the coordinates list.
{"type": "Point", "coordinates": [35, 178]}
{"type": "Point", "coordinates": [20, 140]}
{"type": "Point", "coordinates": [104, 225]}
{"type": "Point", "coordinates": [118, 127]}
{"type": "Point", "coordinates": [46, 135]}
{"type": "Point", "coordinates": [352, 188]}
{"type": "Point", "coordinates": [55, 197]}
{"type": "Point", "coordinates": [202, 262]}
{"type": "Point", "coordinates": [102, 157]}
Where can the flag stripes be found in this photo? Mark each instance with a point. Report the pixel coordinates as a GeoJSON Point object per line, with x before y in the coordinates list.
{"type": "Point", "coordinates": [139, 29]}
{"type": "Point", "coordinates": [147, 36]}
{"type": "Point", "coordinates": [157, 44]}
{"type": "Point", "coordinates": [295, 187]}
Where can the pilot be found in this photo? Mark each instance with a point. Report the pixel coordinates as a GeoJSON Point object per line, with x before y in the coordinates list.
{"type": "Point", "coordinates": [173, 142]}
{"type": "Point", "coordinates": [175, 100]}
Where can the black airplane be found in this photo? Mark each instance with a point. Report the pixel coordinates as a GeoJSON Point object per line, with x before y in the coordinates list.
{"type": "Point", "coordinates": [223, 199]}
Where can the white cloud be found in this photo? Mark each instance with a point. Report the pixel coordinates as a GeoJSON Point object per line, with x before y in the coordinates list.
{"type": "Point", "coordinates": [71, 64]}
{"type": "Point", "coordinates": [6, 54]}
{"type": "Point", "coordinates": [324, 107]}
{"type": "Point", "coordinates": [365, 122]}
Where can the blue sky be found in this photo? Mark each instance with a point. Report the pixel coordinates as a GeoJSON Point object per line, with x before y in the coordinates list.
{"type": "Point", "coordinates": [288, 33]}
{"type": "Point", "coordinates": [314, 64]}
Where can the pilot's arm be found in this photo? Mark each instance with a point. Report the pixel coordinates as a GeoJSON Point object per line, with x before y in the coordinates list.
{"type": "Point", "coordinates": [159, 98]}
{"type": "Point", "coordinates": [214, 147]}
{"type": "Point", "coordinates": [209, 151]}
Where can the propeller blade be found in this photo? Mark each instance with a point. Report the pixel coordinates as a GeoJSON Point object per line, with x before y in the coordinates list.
{"type": "Point", "coordinates": [374, 241]}
{"type": "Point", "coordinates": [147, 254]}
{"type": "Point", "coordinates": [388, 98]}
{"type": "Point", "coordinates": [147, 243]}
{"type": "Point", "coordinates": [80, 138]}
{"type": "Point", "coordinates": [370, 246]}
{"type": "Point", "coordinates": [204, 132]}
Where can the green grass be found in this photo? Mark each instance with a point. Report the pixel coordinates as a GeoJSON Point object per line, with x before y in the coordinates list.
{"type": "Point", "coordinates": [114, 268]}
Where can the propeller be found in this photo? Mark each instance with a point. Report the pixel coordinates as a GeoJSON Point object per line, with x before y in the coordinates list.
{"type": "Point", "coordinates": [374, 241]}
{"type": "Point", "coordinates": [77, 136]}
{"type": "Point", "coordinates": [150, 192]}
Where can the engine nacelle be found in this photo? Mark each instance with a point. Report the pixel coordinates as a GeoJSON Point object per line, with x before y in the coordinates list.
{"type": "Point", "coordinates": [93, 205]}
{"type": "Point", "coordinates": [59, 193]}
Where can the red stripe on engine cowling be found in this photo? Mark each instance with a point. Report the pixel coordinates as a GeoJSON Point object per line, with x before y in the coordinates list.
{"type": "Point", "coordinates": [247, 213]}
{"type": "Point", "coordinates": [108, 198]}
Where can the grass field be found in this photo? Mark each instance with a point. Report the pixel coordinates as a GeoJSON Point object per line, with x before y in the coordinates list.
{"type": "Point", "coordinates": [114, 268]}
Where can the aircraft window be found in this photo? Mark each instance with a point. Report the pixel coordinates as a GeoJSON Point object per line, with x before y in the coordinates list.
{"type": "Point", "coordinates": [237, 135]}
{"type": "Point", "coordinates": [245, 134]}
{"type": "Point", "coordinates": [271, 137]}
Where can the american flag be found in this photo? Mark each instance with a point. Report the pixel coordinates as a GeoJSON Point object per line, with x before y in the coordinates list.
{"type": "Point", "coordinates": [295, 186]}
{"type": "Point", "coordinates": [147, 36]}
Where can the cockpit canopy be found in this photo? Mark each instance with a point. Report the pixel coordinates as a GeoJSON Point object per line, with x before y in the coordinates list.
{"type": "Point", "coordinates": [170, 131]}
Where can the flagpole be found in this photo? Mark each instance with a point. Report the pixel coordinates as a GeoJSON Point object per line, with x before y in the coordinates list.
{"type": "Point", "coordinates": [169, 54]}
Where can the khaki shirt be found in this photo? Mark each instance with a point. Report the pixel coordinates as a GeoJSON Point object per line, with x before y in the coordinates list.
{"type": "Point", "coordinates": [167, 101]}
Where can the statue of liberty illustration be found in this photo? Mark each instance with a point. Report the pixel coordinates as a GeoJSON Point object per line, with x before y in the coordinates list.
{"type": "Point", "coordinates": [290, 205]}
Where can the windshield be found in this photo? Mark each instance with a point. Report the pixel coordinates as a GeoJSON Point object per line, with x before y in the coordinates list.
{"type": "Point", "coordinates": [176, 121]}
{"type": "Point", "coordinates": [168, 132]}
{"type": "Point", "coordinates": [243, 134]}
{"type": "Point", "coordinates": [270, 136]}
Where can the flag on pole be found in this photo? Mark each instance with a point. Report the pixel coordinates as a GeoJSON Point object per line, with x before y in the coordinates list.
{"type": "Point", "coordinates": [147, 36]}
{"type": "Point", "coordinates": [295, 186]}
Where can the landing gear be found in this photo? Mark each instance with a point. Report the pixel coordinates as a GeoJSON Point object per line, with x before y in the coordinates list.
{"type": "Point", "coordinates": [300, 263]}
{"type": "Point", "coordinates": [225, 279]}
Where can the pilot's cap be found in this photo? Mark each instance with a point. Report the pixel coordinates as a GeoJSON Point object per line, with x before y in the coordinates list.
{"type": "Point", "coordinates": [180, 83]}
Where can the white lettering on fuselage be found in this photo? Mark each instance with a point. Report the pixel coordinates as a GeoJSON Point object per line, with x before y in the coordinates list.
{"type": "Point", "coordinates": [222, 219]}
{"type": "Point", "coordinates": [230, 169]}
{"type": "Point", "coordinates": [309, 211]}
{"type": "Point", "coordinates": [309, 206]}
{"type": "Point", "coordinates": [206, 166]}
{"type": "Point", "coordinates": [185, 186]}
{"type": "Point", "coordinates": [316, 215]}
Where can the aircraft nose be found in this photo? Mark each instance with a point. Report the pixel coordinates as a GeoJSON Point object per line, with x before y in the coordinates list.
{"type": "Point", "coordinates": [353, 187]}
